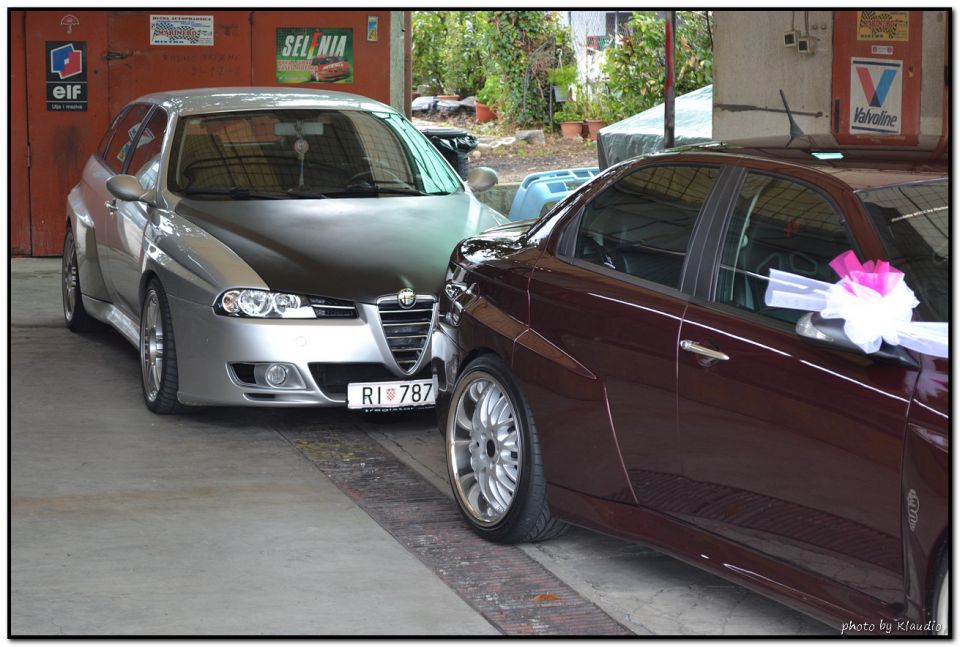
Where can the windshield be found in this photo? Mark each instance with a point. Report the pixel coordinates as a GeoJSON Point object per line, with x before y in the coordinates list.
{"type": "Point", "coordinates": [913, 223]}
{"type": "Point", "coordinates": [305, 153]}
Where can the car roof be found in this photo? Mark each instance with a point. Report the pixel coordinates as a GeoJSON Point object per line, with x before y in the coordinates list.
{"type": "Point", "coordinates": [206, 100]}
{"type": "Point", "coordinates": [860, 169]}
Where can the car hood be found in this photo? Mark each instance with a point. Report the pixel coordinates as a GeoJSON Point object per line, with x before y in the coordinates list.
{"type": "Point", "coordinates": [346, 248]}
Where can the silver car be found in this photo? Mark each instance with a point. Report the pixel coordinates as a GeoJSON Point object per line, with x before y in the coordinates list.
{"type": "Point", "coordinates": [265, 246]}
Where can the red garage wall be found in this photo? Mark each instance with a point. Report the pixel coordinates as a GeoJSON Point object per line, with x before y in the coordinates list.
{"type": "Point", "coordinates": [120, 65]}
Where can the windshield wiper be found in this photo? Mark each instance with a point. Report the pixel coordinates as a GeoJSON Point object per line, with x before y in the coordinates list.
{"type": "Point", "coordinates": [373, 189]}
{"type": "Point", "coordinates": [306, 193]}
{"type": "Point", "coordinates": [238, 193]}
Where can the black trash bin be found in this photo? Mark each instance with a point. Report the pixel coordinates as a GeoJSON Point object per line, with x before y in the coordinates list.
{"type": "Point", "coordinates": [454, 144]}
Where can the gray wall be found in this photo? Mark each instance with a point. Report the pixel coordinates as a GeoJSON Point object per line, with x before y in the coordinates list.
{"type": "Point", "coordinates": [751, 65]}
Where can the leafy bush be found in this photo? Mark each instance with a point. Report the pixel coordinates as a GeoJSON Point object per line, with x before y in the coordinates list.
{"type": "Point", "coordinates": [457, 51]}
{"type": "Point", "coordinates": [635, 69]}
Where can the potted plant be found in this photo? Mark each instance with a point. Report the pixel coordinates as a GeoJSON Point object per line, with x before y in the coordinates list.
{"type": "Point", "coordinates": [561, 78]}
{"type": "Point", "coordinates": [487, 98]}
{"type": "Point", "coordinates": [593, 116]}
{"type": "Point", "coordinates": [593, 111]}
{"type": "Point", "coordinates": [570, 118]}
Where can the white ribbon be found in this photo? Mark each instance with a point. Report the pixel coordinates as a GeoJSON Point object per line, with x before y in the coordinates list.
{"type": "Point", "coordinates": [869, 317]}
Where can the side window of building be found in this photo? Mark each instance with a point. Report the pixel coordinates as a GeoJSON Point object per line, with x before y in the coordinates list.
{"type": "Point", "coordinates": [107, 136]}
{"type": "Point", "coordinates": [641, 225]}
{"type": "Point", "coordinates": [779, 224]}
{"type": "Point", "coordinates": [126, 130]}
{"type": "Point", "coordinates": [146, 155]}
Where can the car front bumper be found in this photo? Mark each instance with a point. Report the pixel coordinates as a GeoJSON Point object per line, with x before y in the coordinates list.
{"type": "Point", "coordinates": [208, 346]}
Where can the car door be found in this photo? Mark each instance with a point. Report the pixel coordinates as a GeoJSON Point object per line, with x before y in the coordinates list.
{"type": "Point", "coordinates": [130, 219]}
{"type": "Point", "coordinates": [790, 449]}
{"type": "Point", "coordinates": [611, 301]}
{"type": "Point", "coordinates": [104, 204]}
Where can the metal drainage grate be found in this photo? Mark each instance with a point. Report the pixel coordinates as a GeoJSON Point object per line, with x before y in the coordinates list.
{"type": "Point", "coordinates": [407, 330]}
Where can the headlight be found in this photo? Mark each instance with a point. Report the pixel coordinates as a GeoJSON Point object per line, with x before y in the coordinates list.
{"type": "Point", "coordinates": [264, 305]}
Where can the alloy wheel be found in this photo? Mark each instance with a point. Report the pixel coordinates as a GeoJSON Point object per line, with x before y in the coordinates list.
{"type": "Point", "coordinates": [485, 449]}
{"type": "Point", "coordinates": [151, 345]}
{"type": "Point", "coordinates": [69, 277]}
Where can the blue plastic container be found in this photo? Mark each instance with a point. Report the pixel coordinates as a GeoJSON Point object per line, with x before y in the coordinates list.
{"type": "Point", "coordinates": [540, 191]}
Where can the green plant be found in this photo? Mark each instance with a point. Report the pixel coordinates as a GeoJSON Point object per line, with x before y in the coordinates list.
{"type": "Point", "coordinates": [635, 69]}
{"type": "Point", "coordinates": [490, 92]}
{"type": "Point", "coordinates": [569, 112]}
{"type": "Point", "coordinates": [563, 77]}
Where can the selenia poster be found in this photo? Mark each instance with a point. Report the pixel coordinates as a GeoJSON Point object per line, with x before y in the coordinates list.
{"type": "Point", "coordinates": [314, 55]}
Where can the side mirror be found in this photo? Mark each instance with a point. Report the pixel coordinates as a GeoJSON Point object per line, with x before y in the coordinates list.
{"type": "Point", "coordinates": [828, 333]}
{"type": "Point", "coordinates": [127, 187]}
{"type": "Point", "coordinates": [481, 179]}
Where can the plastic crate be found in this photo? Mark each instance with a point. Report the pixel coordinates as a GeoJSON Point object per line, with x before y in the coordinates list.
{"type": "Point", "coordinates": [540, 191]}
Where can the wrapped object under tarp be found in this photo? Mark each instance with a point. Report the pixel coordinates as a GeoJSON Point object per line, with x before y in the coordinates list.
{"type": "Point", "coordinates": [642, 133]}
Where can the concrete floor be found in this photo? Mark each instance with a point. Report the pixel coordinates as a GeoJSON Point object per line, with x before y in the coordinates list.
{"type": "Point", "coordinates": [123, 522]}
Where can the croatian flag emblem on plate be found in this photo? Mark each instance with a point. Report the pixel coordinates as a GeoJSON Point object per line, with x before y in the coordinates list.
{"type": "Point", "coordinates": [391, 394]}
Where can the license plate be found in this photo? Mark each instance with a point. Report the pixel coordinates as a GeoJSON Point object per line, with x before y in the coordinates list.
{"type": "Point", "coordinates": [391, 395]}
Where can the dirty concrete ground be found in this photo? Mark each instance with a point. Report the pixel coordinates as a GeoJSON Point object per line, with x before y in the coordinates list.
{"type": "Point", "coordinates": [123, 522]}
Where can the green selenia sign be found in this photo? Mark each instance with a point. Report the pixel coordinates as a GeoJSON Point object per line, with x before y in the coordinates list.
{"type": "Point", "coordinates": [314, 55]}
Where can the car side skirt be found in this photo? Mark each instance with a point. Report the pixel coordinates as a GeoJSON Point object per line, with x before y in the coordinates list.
{"type": "Point", "coordinates": [831, 603]}
{"type": "Point", "coordinates": [110, 314]}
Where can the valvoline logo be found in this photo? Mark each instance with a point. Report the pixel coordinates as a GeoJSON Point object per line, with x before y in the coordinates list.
{"type": "Point", "coordinates": [66, 61]}
{"type": "Point", "coordinates": [876, 94]}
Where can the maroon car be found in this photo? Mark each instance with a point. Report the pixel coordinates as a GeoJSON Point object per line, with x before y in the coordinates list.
{"type": "Point", "coordinates": [616, 366]}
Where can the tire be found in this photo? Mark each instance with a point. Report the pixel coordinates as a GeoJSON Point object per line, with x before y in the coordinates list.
{"type": "Point", "coordinates": [940, 602]}
{"type": "Point", "coordinates": [74, 314]}
{"type": "Point", "coordinates": [158, 352]}
{"type": "Point", "coordinates": [486, 459]}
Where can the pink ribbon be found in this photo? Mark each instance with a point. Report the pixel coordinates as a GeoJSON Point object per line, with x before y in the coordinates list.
{"type": "Point", "coordinates": [876, 276]}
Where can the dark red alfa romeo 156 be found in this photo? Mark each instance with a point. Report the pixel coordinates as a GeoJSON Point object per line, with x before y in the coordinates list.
{"type": "Point", "coordinates": [621, 365]}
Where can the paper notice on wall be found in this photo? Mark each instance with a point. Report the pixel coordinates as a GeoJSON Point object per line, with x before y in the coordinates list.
{"type": "Point", "coordinates": [883, 25]}
{"type": "Point", "coordinates": [876, 96]}
{"type": "Point", "coordinates": [170, 29]}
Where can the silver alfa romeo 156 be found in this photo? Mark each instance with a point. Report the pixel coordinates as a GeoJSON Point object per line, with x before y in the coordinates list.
{"type": "Point", "coordinates": [265, 246]}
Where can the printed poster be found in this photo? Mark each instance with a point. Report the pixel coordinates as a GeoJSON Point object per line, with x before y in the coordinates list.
{"type": "Point", "coordinates": [876, 96]}
{"type": "Point", "coordinates": [883, 25]}
{"type": "Point", "coordinates": [170, 29]}
{"type": "Point", "coordinates": [314, 55]}
{"type": "Point", "coordinates": [373, 25]}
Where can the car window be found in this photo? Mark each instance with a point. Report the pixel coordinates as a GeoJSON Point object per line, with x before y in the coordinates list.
{"type": "Point", "coordinates": [127, 129]}
{"type": "Point", "coordinates": [107, 136]}
{"type": "Point", "coordinates": [641, 224]}
{"type": "Point", "coordinates": [778, 224]}
{"type": "Point", "coordinates": [148, 147]}
{"type": "Point", "coordinates": [913, 222]}
{"type": "Point", "coordinates": [303, 152]}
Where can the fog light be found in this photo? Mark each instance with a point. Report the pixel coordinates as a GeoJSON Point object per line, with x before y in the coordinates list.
{"type": "Point", "coordinates": [276, 375]}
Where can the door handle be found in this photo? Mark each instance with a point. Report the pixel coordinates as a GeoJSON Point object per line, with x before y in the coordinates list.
{"type": "Point", "coordinates": [111, 206]}
{"type": "Point", "coordinates": [694, 347]}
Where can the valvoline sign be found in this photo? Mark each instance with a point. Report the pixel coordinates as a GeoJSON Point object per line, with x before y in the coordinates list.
{"type": "Point", "coordinates": [876, 96]}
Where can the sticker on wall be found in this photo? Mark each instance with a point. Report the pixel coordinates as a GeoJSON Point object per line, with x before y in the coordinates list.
{"type": "Point", "coordinates": [883, 25]}
{"type": "Point", "coordinates": [70, 21]}
{"type": "Point", "coordinates": [314, 55]}
{"type": "Point", "coordinates": [373, 24]}
{"type": "Point", "coordinates": [876, 96]}
{"type": "Point", "coordinates": [66, 76]}
{"type": "Point", "coordinates": [168, 29]}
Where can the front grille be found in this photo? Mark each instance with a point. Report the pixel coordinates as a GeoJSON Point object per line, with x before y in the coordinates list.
{"type": "Point", "coordinates": [327, 308]}
{"type": "Point", "coordinates": [407, 331]}
{"type": "Point", "coordinates": [334, 378]}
